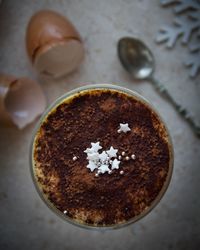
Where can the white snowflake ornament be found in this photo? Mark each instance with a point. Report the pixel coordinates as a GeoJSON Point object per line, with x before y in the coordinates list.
{"type": "Point", "coordinates": [182, 5]}
{"type": "Point", "coordinates": [193, 61]}
{"type": "Point", "coordinates": [186, 27]}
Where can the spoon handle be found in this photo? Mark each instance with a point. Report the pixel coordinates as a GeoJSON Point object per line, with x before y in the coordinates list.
{"type": "Point", "coordinates": [179, 108]}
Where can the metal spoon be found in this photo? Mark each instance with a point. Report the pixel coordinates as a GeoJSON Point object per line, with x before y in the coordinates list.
{"type": "Point", "coordinates": [138, 60]}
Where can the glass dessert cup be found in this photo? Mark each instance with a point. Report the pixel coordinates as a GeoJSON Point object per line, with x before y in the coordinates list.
{"type": "Point", "coordinates": [69, 95]}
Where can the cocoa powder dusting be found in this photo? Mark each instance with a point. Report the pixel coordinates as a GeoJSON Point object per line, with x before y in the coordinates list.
{"type": "Point", "coordinates": [94, 116]}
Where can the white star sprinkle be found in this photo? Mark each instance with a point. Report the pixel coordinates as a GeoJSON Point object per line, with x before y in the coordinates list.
{"type": "Point", "coordinates": [123, 128]}
{"type": "Point", "coordinates": [103, 168]}
{"type": "Point", "coordinates": [96, 146]}
{"type": "Point", "coordinates": [103, 162]}
{"type": "Point", "coordinates": [115, 164]}
{"type": "Point", "coordinates": [93, 156]}
{"type": "Point", "coordinates": [112, 152]}
{"type": "Point", "coordinates": [103, 156]}
{"type": "Point", "coordinates": [92, 166]}
{"type": "Point", "coordinates": [94, 149]}
{"type": "Point", "coordinates": [89, 151]}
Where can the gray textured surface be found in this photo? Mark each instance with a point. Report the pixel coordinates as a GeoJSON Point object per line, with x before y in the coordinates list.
{"type": "Point", "coordinates": [25, 222]}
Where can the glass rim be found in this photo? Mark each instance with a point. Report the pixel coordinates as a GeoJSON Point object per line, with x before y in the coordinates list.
{"type": "Point", "coordinates": [55, 104]}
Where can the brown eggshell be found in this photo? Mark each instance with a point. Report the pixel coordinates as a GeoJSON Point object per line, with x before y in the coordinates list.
{"type": "Point", "coordinates": [5, 82]}
{"type": "Point", "coordinates": [21, 100]}
{"type": "Point", "coordinates": [66, 57]}
{"type": "Point", "coordinates": [47, 27]}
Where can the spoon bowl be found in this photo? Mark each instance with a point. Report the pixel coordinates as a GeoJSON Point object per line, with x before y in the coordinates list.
{"type": "Point", "coordinates": [136, 58]}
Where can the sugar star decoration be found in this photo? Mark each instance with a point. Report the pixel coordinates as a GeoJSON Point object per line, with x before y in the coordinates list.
{"type": "Point", "coordinates": [123, 128]}
{"type": "Point", "coordinates": [105, 161]}
{"type": "Point", "coordinates": [101, 161]}
{"type": "Point", "coordinates": [103, 156]}
{"type": "Point", "coordinates": [92, 166]}
{"type": "Point", "coordinates": [103, 168]}
{"type": "Point", "coordinates": [96, 146]}
{"type": "Point", "coordinates": [88, 151]}
{"type": "Point", "coordinates": [93, 156]}
{"type": "Point", "coordinates": [115, 164]}
{"type": "Point", "coordinates": [94, 149]}
{"type": "Point", "coordinates": [112, 152]}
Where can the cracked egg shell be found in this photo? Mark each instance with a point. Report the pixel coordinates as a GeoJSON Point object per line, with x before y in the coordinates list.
{"type": "Point", "coordinates": [21, 100]}
{"type": "Point", "coordinates": [53, 44]}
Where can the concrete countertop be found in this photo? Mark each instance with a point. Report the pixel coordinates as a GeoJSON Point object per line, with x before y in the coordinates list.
{"type": "Point", "coordinates": [25, 221]}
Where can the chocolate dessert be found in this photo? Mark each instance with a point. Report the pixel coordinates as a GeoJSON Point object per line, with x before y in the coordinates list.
{"type": "Point", "coordinates": [96, 191]}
